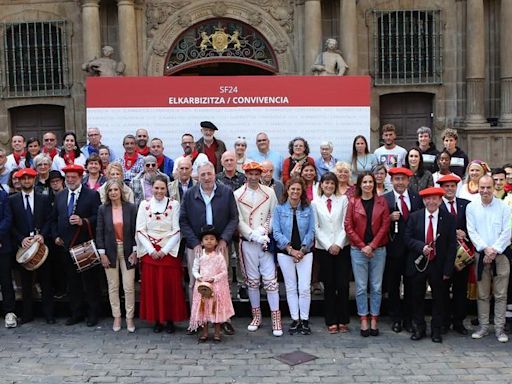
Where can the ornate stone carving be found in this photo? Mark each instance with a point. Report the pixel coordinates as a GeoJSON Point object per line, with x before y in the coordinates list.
{"type": "Point", "coordinates": [280, 46]}
{"type": "Point", "coordinates": [255, 18]}
{"type": "Point", "coordinates": [157, 14]}
{"type": "Point", "coordinates": [280, 10]}
{"type": "Point", "coordinates": [219, 9]}
{"type": "Point", "coordinates": [330, 62]}
{"type": "Point", "coordinates": [160, 49]}
{"type": "Point", "coordinates": [104, 66]}
{"type": "Point", "coordinates": [184, 20]}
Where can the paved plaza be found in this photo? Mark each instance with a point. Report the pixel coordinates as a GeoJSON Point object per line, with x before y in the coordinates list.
{"type": "Point", "coordinates": [41, 353]}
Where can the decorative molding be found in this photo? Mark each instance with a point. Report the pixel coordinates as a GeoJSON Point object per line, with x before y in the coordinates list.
{"type": "Point", "coordinates": [184, 20]}
{"type": "Point", "coordinates": [219, 9]}
{"type": "Point", "coordinates": [280, 46]}
{"type": "Point", "coordinates": [255, 18]}
{"type": "Point", "coordinates": [157, 14]}
{"type": "Point", "coordinates": [280, 10]}
{"type": "Point", "coordinates": [160, 49]}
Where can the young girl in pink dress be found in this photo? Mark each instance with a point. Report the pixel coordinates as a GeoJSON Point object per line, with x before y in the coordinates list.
{"type": "Point", "coordinates": [210, 268]}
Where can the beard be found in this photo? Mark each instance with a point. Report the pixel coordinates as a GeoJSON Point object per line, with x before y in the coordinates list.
{"type": "Point", "coordinates": [141, 143]}
{"type": "Point", "coordinates": [188, 151]}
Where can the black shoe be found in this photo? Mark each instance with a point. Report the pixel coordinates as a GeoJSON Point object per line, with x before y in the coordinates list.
{"type": "Point", "coordinates": [304, 328]}
{"type": "Point", "coordinates": [418, 334]}
{"type": "Point", "coordinates": [374, 332]}
{"type": "Point", "coordinates": [74, 320]}
{"type": "Point", "coordinates": [407, 325]}
{"type": "Point", "coordinates": [396, 327]}
{"type": "Point", "coordinates": [294, 327]}
{"type": "Point", "coordinates": [50, 320]}
{"type": "Point", "coordinates": [169, 327]}
{"type": "Point", "coordinates": [92, 321]}
{"type": "Point", "coordinates": [365, 332]}
{"type": "Point", "coordinates": [461, 329]}
{"type": "Point", "coordinates": [158, 327]}
{"type": "Point", "coordinates": [436, 336]}
{"type": "Point", "coordinates": [228, 329]}
{"type": "Point", "coordinates": [242, 294]}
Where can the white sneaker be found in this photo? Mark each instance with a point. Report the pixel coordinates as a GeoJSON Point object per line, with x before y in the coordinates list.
{"type": "Point", "coordinates": [11, 320]}
{"type": "Point", "coordinates": [482, 332]}
{"type": "Point", "coordinates": [501, 336]}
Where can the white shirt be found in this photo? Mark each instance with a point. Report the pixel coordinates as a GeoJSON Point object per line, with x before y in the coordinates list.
{"type": "Point", "coordinates": [489, 225]}
{"type": "Point", "coordinates": [30, 200]}
{"type": "Point", "coordinates": [76, 192]}
{"type": "Point", "coordinates": [449, 206]}
{"type": "Point", "coordinates": [398, 200]}
{"type": "Point", "coordinates": [435, 217]}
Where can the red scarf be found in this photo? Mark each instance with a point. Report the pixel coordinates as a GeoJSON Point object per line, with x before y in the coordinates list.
{"type": "Point", "coordinates": [508, 188]}
{"type": "Point", "coordinates": [129, 161]}
{"type": "Point", "coordinates": [69, 158]}
{"type": "Point", "coordinates": [159, 161]}
{"type": "Point", "coordinates": [52, 153]}
{"type": "Point", "coordinates": [194, 155]}
{"type": "Point", "coordinates": [19, 157]}
{"type": "Point", "coordinates": [143, 151]}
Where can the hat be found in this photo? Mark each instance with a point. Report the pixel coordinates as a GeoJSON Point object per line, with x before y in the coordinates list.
{"type": "Point", "coordinates": [448, 178]}
{"type": "Point", "coordinates": [432, 191]}
{"type": "Point", "coordinates": [74, 168]}
{"type": "Point", "coordinates": [55, 175]}
{"type": "Point", "coordinates": [400, 171]}
{"type": "Point", "coordinates": [25, 172]}
{"type": "Point", "coordinates": [208, 124]}
{"type": "Point", "coordinates": [252, 166]}
{"type": "Point", "coordinates": [208, 230]}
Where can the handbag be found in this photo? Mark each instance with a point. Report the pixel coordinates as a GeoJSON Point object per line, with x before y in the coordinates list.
{"type": "Point", "coordinates": [85, 255]}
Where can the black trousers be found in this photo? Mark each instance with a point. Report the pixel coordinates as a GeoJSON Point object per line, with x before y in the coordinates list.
{"type": "Point", "coordinates": [83, 288]}
{"type": "Point", "coordinates": [394, 272]}
{"type": "Point", "coordinates": [335, 274]}
{"type": "Point", "coordinates": [456, 307]}
{"type": "Point", "coordinates": [44, 277]}
{"type": "Point", "coordinates": [57, 258]}
{"type": "Point", "coordinates": [418, 286]}
{"type": "Point", "coordinates": [8, 297]}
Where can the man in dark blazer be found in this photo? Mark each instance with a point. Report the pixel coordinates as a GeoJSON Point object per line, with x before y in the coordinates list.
{"type": "Point", "coordinates": [431, 241]}
{"type": "Point", "coordinates": [455, 309]}
{"type": "Point", "coordinates": [31, 211]}
{"type": "Point", "coordinates": [210, 203]}
{"type": "Point", "coordinates": [401, 203]}
{"type": "Point", "coordinates": [6, 260]}
{"type": "Point", "coordinates": [72, 207]}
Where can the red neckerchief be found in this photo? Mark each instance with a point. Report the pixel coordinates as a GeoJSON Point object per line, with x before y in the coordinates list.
{"type": "Point", "coordinates": [19, 157]}
{"type": "Point", "coordinates": [69, 158]}
{"type": "Point", "coordinates": [159, 161]}
{"type": "Point", "coordinates": [194, 155]}
{"type": "Point", "coordinates": [508, 188]}
{"type": "Point", "coordinates": [143, 151]}
{"type": "Point", "coordinates": [130, 160]}
{"type": "Point", "coordinates": [51, 153]}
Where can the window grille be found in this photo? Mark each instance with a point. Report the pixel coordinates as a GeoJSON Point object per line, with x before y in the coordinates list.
{"type": "Point", "coordinates": [35, 61]}
{"type": "Point", "coordinates": [407, 47]}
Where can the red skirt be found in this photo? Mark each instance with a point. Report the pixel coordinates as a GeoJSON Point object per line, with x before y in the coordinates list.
{"type": "Point", "coordinates": [161, 293]}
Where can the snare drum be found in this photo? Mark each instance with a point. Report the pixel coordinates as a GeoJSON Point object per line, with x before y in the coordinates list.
{"type": "Point", "coordinates": [85, 256]}
{"type": "Point", "coordinates": [32, 257]}
{"type": "Point", "coordinates": [465, 255]}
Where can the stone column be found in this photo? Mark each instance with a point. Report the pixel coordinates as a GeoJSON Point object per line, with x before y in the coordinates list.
{"type": "Point", "coordinates": [348, 32]}
{"type": "Point", "coordinates": [312, 33]}
{"type": "Point", "coordinates": [91, 29]}
{"type": "Point", "coordinates": [475, 62]}
{"type": "Point", "coordinates": [506, 62]}
{"type": "Point", "coordinates": [128, 36]}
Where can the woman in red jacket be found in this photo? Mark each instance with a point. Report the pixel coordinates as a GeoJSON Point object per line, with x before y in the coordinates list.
{"type": "Point", "coordinates": [367, 225]}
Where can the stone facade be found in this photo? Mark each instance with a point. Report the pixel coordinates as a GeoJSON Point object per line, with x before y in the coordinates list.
{"type": "Point", "coordinates": [474, 95]}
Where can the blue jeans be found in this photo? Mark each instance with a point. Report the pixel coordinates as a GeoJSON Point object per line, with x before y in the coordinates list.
{"type": "Point", "coordinates": [368, 269]}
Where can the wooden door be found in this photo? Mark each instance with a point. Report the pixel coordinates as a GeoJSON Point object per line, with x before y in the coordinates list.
{"type": "Point", "coordinates": [35, 120]}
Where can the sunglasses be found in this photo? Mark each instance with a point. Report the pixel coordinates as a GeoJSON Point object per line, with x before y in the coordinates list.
{"type": "Point", "coordinates": [150, 165]}
{"type": "Point", "coordinates": [49, 139]}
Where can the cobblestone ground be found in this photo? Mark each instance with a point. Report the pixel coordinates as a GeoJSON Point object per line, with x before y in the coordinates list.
{"type": "Point", "coordinates": [41, 353]}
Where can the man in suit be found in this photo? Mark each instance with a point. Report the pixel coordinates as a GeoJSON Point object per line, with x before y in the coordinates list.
{"type": "Point", "coordinates": [401, 203]}
{"type": "Point", "coordinates": [183, 181]}
{"type": "Point", "coordinates": [255, 204]}
{"type": "Point", "coordinates": [75, 208]}
{"type": "Point", "coordinates": [431, 241]}
{"type": "Point", "coordinates": [29, 225]}
{"type": "Point", "coordinates": [6, 260]}
{"type": "Point", "coordinates": [456, 308]}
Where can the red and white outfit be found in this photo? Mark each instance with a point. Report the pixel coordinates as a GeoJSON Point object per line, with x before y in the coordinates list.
{"type": "Point", "coordinates": [68, 159]}
{"type": "Point", "coordinates": [255, 207]}
{"type": "Point", "coordinates": [162, 297]}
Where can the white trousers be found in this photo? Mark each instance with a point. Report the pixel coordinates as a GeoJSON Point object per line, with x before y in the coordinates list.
{"type": "Point", "coordinates": [257, 264]}
{"type": "Point", "coordinates": [297, 280]}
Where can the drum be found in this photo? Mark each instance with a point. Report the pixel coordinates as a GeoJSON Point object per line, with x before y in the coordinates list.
{"type": "Point", "coordinates": [32, 257]}
{"type": "Point", "coordinates": [465, 255]}
{"type": "Point", "coordinates": [205, 289]}
{"type": "Point", "coordinates": [85, 256]}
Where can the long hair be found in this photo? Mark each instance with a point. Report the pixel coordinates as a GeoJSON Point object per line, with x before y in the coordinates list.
{"type": "Point", "coordinates": [354, 152]}
{"type": "Point", "coordinates": [326, 177]}
{"type": "Point", "coordinates": [76, 150]}
{"type": "Point", "coordinates": [119, 184]}
{"type": "Point", "coordinates": [303, 196]}
{"type": "Point", "coordinates": [359, 190]}
{"type": "Point", "coordinates": [420, 170]}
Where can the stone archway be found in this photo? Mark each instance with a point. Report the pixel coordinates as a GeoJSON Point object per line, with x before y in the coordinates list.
{"type": "Point", "coordinates": [164, 26]}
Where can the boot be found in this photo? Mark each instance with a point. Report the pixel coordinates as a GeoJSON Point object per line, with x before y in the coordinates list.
{"type": "Point", "coordinates": [256, 320]}
{"type": "Point", "coordinates": [277, 329]}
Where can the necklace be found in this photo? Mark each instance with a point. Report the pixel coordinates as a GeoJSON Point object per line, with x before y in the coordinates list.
{"type": "Point", "coordinates": [365, 162]}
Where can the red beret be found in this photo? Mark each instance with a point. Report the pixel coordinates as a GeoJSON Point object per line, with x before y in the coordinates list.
{"type": "Point", "coordinates": [74, 168]}
{"type": "Point", "coordinates": [448, 178]}
{"type": "Point", "coordinates": [400, 171]}
{"type": "Point", "coordinates": [25, 172]}
{"type": "Point", "coordinates": [252, 166]}
{"type": "Point", "coordinates": [432, 191]}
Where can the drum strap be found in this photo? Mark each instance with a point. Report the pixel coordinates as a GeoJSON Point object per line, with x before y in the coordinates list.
{"type": "Point", "coordinates": [78, 230]}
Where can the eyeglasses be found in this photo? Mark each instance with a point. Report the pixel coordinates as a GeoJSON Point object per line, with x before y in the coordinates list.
{"type": "Point", "coordinates": [49, 139]}
{"type": "Point", "coordinates": [187, 143]}
{"type": "Point", "coordinates": [261, 140]}
{"type": "Point", "coordinates": [150, 165]}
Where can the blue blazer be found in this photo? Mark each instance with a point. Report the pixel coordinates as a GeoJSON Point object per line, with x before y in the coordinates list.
{"type": "Point", "coordinates": [168, 167]}
{"type": "Point", "coordinates": [42, 212]}
{"type": "Point", "coordinates": [282, 224]}
{"type": "Point", "coordinates": [5, 223]}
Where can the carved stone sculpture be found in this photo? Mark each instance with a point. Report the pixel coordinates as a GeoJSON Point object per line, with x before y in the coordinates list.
{"type": "Point", "coordinates": [330, 62]}
{"type": "Point", "coordinates": [104, 66]}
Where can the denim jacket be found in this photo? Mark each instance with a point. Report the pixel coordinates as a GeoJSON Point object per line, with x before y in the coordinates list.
{"type": "Point", "coordinates": [282, 224]}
